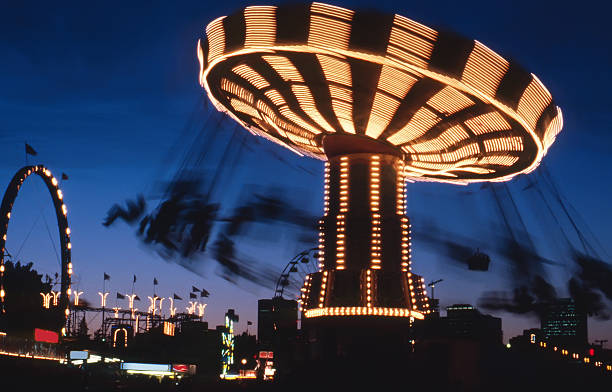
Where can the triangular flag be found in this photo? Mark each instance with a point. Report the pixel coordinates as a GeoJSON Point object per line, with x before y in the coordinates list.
{"type": "Point", "coordinates": [29, 150]}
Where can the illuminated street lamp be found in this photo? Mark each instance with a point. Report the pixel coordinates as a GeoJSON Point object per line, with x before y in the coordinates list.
{"type": "Point", "coordinates": [201, 308]}
{"type": "Point", "coordinates": [172, 308]}
{"type": "Point", "coordinates": [153, 305]}
{"type": "Point", "coordinates": [192, 307]}
{"type": "Point", "coordinates": [76, 297]}
{"type": "Point", "coordinates": [55, 295]}
{"type": "Point", "coordinates": [103, 298]}
{"type": "Point", "coordinates": [161, 303]}
{"type": "Point", "coordinates": [46, 300]}
{"type": "Point", "coordinates": [131, 299]}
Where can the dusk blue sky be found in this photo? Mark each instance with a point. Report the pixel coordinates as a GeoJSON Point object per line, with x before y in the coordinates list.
{"type": "Point", "coordinates": [103, 91]}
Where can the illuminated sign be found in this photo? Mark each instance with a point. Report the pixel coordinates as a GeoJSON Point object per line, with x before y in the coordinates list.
{"type": "Point", "coordinates": [168, 328]}
{"type": "Point", "coordinates": [150, 367]}
{"type": "Point", "coordinates": [78, 355]}
{"type": "Point", "coordinates": [124, 334]}
{"type": "Point", "coordinates": [247, 374]}
{"type": "Point", "coordinates": [266, 354]}
{"type": "Point", "coordinates": [182, 368]}
{"type": "Point", "coordinates": [43, 335]}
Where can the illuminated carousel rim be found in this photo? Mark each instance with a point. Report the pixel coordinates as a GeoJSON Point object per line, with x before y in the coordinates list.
{"type": "Point", "coordinates": [546, 120]}
{"type": "Point", "coordinates": [363, 311]}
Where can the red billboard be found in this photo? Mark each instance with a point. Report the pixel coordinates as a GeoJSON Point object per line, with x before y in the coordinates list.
{"type": "Point", "coordinates": [180, 368]}
{"type": "Point", "coordinates": [43, 335]}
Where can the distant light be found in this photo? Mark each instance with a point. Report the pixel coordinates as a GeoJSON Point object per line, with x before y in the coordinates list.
{"type": "Point", "coordinates": [146, 366]}
{"type": "Point", "coordinates": [244, 361]}
{"type": "Point", "coordinates": [508, 345]}
{"type": "Point", "coordinates": [74, 354]}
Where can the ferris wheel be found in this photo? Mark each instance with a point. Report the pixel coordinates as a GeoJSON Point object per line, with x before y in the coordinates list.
{"type": "Point", "coordinates": [61, 298]}
{"type": "Point", "coordinates": [291, 279]}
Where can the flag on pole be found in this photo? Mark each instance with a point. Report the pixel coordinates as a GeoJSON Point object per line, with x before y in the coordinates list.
{"type": "Point", "coordinates": [194, 289]}
{"type": "Point", "coordinates": [192, 295]}
{"type": "Point", "coordinates": [134, 281]}
{"type": "Point", "coordinates": [29, 150]}
{"type": "Point", "coordinates": [106, 276]}
{"type": "Point", "coordinates": [204, 293]}
{"type": "Point", "coordinates": [136, 298]}
{"type": "Point", "coordinates": [120, 296]}
{"type": "Point", "coordinates": [64, 176]}
{"type": "Point", "coordinates": [155, 281]}
{"type": "Point", "coordinates": [249, 323]}
{"type": "Point", "coordinates": [177, 297]}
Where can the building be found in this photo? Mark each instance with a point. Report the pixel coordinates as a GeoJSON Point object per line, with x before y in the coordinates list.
{"type": "Point", "coordinates": [245, 352]}
{"type": "Point", "coordinates": [463, 321]}
{"type": "Point", "coordinates": [564, 324]}
{"type": "Point", "coordinates": [277, 330]}
{"type": "Point", "coordinates": [466, 321]}
{"type": "Point", "coordinates": [529, 337]}
{"type": "Point", "coordinates": [265, 322]}
{"type": "Point", "coordinates": [276, 320]}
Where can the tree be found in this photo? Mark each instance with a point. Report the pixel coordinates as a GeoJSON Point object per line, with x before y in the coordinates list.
{"type": "Point", "coordinates": [24, 304]}
{"type": "Point", "coordinates": [83, 329]}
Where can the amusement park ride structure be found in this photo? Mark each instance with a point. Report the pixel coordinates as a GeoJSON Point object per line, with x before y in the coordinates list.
{"type": "Point", "coordinates": [382, 100]}
{"type": "Point", "coordinates": [291, 279]}
{"type": "Point", "coordinates": [73, 312]}
{"type": "Point", "coordinates": [61, 212]}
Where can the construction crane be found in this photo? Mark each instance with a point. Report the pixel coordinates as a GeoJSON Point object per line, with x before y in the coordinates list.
{"type": "Point", "coordinates": [432, 284]}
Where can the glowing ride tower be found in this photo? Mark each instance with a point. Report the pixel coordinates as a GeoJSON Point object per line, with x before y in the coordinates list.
{"type": "Point", "coordinates": [381, 99]}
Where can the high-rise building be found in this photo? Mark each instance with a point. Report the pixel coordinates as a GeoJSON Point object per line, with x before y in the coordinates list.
{"type": "Point", "coordinates": [276, 319]}
{"type": "Point", "coordinates": [563, 323]}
